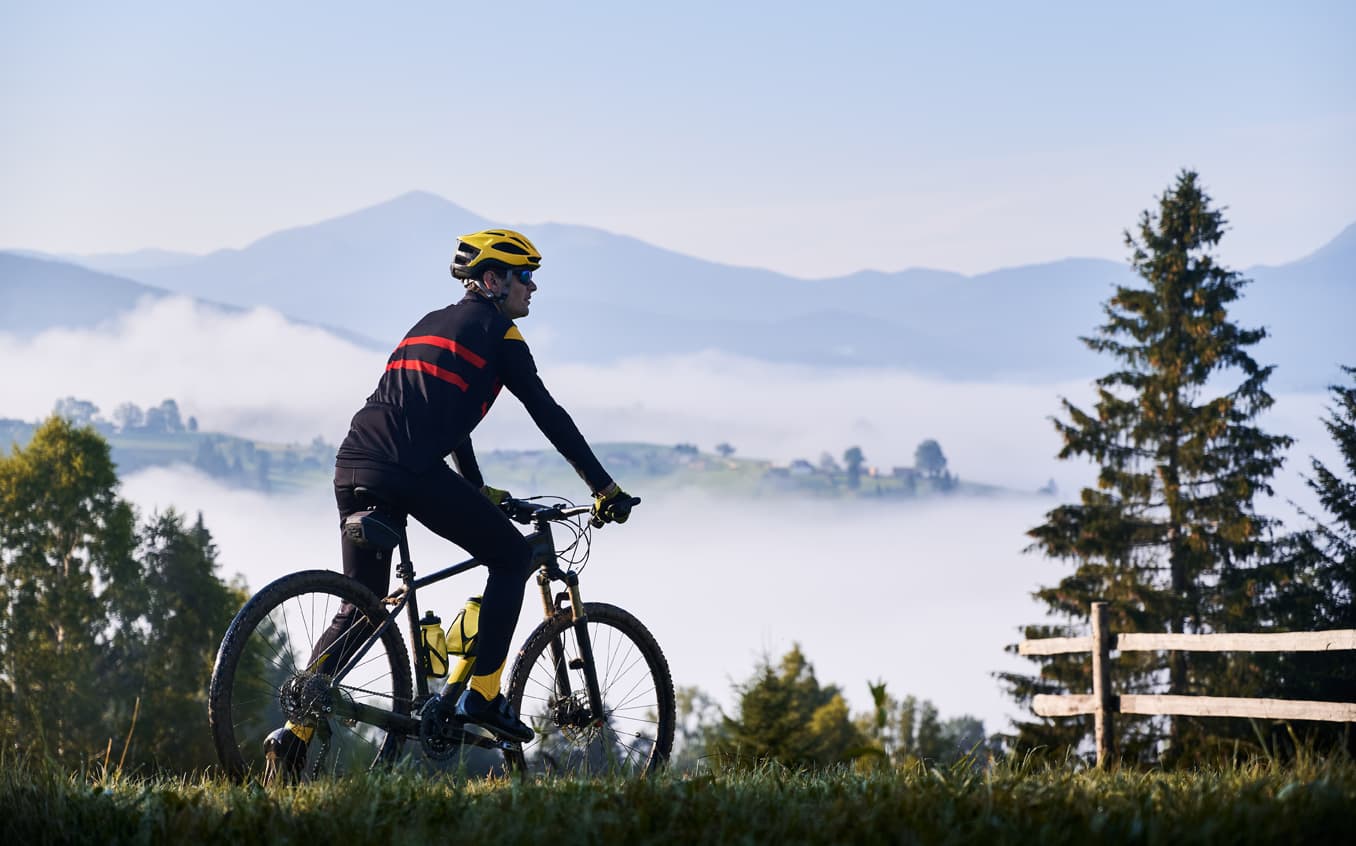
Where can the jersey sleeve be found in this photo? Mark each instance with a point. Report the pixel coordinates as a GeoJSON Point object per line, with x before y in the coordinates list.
{"type": "Point", "coordinates": [519, 374]}
{"type": "Point", "coordinates": [464, 456]}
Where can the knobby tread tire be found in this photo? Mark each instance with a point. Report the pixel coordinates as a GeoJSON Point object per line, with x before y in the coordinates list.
{"type": "Point", "coordinates": [624, 622]}
{"type": "Point", "coordinates": [249, 618]}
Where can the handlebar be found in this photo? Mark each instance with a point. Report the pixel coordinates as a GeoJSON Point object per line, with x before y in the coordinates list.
{"type": "Point", "coordinates": [524, 511]}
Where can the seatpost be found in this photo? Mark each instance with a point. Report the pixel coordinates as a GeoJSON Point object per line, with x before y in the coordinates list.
{"type": "Point", "coordinates": [405, 567]}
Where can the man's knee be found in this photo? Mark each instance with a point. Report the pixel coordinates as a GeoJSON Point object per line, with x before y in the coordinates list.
{"type": "Point", "coordinates": [515, 559]}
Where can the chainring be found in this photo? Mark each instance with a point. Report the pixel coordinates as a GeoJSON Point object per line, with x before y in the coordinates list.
{"type": "Point", "coordinates": [440, 732]}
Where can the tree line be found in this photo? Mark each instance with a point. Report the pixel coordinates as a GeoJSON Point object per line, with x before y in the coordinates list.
{"type": "Point", "coordinates": [784, 714]}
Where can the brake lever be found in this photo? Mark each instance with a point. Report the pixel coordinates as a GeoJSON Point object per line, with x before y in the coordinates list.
{"type": "Point", "coordinates": [518, 510]}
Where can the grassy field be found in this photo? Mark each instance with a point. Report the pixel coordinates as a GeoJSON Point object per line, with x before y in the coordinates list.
{"type": "Point", "coordinates": [1308, 803]}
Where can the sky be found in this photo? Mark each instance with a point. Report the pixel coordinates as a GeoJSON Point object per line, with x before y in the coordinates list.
{"type": "Point", "coordinates": [961, 136]}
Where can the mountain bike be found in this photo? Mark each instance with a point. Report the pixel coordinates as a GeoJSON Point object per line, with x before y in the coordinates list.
{"type": "Point", "coordinates": [590, 679]}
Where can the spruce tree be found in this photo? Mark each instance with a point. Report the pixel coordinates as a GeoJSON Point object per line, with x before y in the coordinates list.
{"type": "Point", "coordinates": [1316, 586]}
{"type": "Point", "coordinates": [785, 715]}
{"type": "Point", "coordinates": [165, 643]}
{"type": "Point", "coordinates": [1169, 536]}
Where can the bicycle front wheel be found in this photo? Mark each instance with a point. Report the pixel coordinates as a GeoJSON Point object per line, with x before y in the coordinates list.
{"type": "Point", "coordinates": [634, 734]}
{"type": "Point", "coordinates": [266, 674]}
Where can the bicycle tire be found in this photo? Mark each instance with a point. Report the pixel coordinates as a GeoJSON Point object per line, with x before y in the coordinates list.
{"type": "Point", "coordinates": [637, 689]}
{"type": "Point", "coordinates": [269, 642]}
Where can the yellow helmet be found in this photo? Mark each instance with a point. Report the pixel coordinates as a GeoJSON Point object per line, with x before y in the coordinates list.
{"type": "Point", "coordinates": [493, 249]}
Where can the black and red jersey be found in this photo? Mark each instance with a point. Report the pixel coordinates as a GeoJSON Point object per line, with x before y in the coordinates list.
{"type": "Point", "coordinates": [441, 380]}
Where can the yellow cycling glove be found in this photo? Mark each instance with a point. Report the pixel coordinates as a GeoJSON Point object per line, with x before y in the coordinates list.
{"type": "Point", "coordinates": [612, 504]}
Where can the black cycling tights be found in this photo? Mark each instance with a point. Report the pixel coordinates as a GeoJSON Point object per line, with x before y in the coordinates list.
{"type": "Point", "coordinates": [449, 506]}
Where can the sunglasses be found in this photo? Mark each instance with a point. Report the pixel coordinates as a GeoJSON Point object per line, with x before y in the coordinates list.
{"type": "Point", "coordinates": [523, 276]}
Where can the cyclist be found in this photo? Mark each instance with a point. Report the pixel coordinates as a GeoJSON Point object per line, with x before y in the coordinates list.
{"type": "Point", "coordinates": [438, 384]}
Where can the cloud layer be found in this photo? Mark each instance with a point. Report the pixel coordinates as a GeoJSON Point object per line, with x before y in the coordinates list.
{"type": "Point", "coordinates": [924, 598]}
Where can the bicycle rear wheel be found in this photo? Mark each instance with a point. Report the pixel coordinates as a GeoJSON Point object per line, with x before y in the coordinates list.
{"type": "Point", "coordinates": [262, 678]}
{"type": "Point", "coordinates": [635, 733]}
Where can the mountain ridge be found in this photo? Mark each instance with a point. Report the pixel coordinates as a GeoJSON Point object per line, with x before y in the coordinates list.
{"type": "Point", "coordinates": [374, 271]}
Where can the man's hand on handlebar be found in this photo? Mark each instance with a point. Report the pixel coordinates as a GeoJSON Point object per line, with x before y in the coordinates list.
{"type": "Point", "coordinates": [609, 507]}
{"type": "Point", "coordinates": [612, 504]}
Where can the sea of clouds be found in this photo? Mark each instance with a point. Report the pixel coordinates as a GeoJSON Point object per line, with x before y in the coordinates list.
{"type": "Point", "coordinates": [922, 595]}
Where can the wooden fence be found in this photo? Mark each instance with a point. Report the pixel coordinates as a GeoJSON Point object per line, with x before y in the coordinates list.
{"type": "Point", "coordinates": [1104, 704]}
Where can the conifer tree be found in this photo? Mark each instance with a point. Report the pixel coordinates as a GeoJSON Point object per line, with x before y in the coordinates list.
{"type": "Point", "coordinates": [162, 650]}
{"type": "Point", "coordinates": [1169, 536]}
{"type": "Point", "coordinates": [785, 715]}
{"type": "Point", "coordinates": [1316, 585]}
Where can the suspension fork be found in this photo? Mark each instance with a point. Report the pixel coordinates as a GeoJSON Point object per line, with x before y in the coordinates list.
{"type": "Point", "coordinates": [562, 666]}
{"type": "Point", "coordinates": [581, 634]}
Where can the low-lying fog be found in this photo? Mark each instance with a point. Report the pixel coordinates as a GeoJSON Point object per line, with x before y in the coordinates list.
{"type": "Point", "coordinates": [923, 595]}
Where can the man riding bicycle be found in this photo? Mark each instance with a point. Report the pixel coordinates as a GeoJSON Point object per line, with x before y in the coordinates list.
{"type": "Point", "coordinates": [438, 384]}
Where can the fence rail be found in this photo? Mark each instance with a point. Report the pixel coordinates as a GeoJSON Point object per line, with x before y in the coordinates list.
{"type": "Point", "coordinates": [1278, 642]}
{"type": "Point", "coordinates": [1103, 703]}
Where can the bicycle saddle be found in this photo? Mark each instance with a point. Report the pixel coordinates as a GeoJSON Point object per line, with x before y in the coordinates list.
{"type": "Point", "coordinates": [379, 526]}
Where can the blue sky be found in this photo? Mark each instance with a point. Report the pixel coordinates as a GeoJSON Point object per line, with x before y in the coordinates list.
{"type": "Point", "coordinates": [806, 138]}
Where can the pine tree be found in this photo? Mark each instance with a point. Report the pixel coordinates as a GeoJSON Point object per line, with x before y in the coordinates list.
{"type": "Point", "coordinates": [1169, 536]}
{"type": "Point", "coordinates": [1317, 585]}
{"type": "Point", "coordinates": [165, 643]}
{"type": "Point", "coordinates": [785, 715]}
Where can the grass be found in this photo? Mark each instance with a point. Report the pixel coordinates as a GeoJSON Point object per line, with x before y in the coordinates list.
{"type": "Point", "coordinates": [1009, 803]}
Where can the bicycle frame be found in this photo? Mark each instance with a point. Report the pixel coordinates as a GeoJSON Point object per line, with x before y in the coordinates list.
{"type": "Point", "coordinates": [406, 598]}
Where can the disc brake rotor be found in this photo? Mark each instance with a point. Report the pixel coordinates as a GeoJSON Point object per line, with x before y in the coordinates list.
{"type": "Point", "coordinates": [571, 716]}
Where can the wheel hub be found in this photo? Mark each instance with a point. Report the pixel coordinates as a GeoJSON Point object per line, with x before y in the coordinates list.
{"type": "Point", "coordinates": [306, 698]}
{"type": "Point", "coordinates": [571, 714]}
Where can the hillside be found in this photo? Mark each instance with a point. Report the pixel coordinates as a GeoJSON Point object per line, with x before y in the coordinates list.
{"type": "Point", "coordinates": [38, 294]}
{"type": "Point", "coordinates": [42, 293]}
{"type": "Point", "coordinates": [280, 468]}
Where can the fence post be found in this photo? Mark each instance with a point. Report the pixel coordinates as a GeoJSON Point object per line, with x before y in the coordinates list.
{"type": "Point", "coordinates": [1104, 719]}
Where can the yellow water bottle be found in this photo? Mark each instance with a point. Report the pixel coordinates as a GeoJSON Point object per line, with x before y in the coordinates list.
{"type": "Point", "coordinates": [435, 648]}
{"type": "Point", "coordinates": [461, 640]}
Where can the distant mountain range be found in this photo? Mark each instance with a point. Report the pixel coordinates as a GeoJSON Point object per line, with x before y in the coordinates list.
{"type": "Point", "coordinates": [370, 274]}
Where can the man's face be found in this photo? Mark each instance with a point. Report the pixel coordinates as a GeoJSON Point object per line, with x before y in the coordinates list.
{"type": "Point", "coordinates": [519, 299]}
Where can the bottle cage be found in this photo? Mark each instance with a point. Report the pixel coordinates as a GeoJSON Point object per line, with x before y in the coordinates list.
{"type": "Point", "coordinates": [374, 529]}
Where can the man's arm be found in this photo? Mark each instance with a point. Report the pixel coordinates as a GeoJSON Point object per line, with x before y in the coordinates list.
{"type": "Point", "coordinates": [519, 373]}
{"type": "Point", "coordinates": [464, 457]}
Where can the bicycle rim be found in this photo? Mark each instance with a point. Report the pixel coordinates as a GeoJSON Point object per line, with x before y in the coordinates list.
{"type": "Point", "coordinates": [262, 678]}
{"type": "Point", "coordinates": [635, 734]}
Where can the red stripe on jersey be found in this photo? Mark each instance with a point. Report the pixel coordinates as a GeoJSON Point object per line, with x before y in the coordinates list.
{"type": "Point", "coordinates": [447, 344]}
{"type": "Point", "coordinates": [431, 369]}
